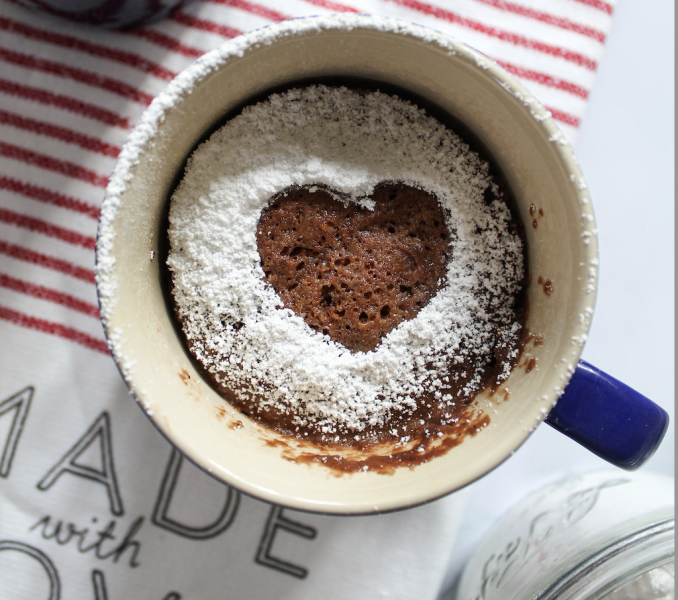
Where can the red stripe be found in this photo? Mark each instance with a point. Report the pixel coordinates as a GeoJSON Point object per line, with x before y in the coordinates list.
{"type": "Point", "coordinates": [333, 6]}
{"type": "Point", "coordinates": [505, 36]}
{"type": "Point", "coordinates": [88, 78]}
{"type": "Point", "coordinates": [47, 262]}
{"type": "Point", "coordinates": [63, 102]}
{"type": "Point", "coordinates": [165, 41]}
{"type": "Point", "coordinates": [547, 18]}
{"type": "Point", "coordinates": [65, 235]}
{"type": "Point", "coordinates": [48, 196]}
{"type": "Point", "coordinates": [255, 9]}
{"type": "Point", "coordinates": [44, 293]}
{"type": "Point", "coordinates": [598, 4]}
{"type": "Point", "coordinates": [59, 133]}
{"type": "Point", "coordinates": [52, 164]}
{"type": "Point", "coordinates": [72, 43]}
{"type": "Point", "coordinates": [544, 79]}
{"type": "Point", "coordinates": [563, 117]}
{"type": "Point", "coordinates": [195, 23]}
{"type": "Point", "coordinates": [57, 329]}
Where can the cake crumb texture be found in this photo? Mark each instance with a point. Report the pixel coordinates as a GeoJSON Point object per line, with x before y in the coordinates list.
{"type": "Point", "coordinates": [353, 273]}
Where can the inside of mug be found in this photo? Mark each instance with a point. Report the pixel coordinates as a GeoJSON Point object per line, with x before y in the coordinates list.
{"type": "Point", "coordinates": [549, 192]}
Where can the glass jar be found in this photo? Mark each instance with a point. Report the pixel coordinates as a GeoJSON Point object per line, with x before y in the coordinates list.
{"type": "Point", "coordinates": [579, 538]}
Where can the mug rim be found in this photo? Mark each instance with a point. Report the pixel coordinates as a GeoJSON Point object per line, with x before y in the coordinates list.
{"type": "Point", "coordinates": [210, 63]}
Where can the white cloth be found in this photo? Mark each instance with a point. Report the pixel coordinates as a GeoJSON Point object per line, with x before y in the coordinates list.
{"type": "Point", "coordinates": [194, 539]}
{"type": "Point", "coordinates": [91, 502]}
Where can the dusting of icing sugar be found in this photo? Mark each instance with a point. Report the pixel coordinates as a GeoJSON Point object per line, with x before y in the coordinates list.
{"type": "Point", "coordinates": [348, 142]}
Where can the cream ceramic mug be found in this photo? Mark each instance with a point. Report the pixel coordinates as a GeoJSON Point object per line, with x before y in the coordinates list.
{"type": "Point", "coordinates": [524, 142]}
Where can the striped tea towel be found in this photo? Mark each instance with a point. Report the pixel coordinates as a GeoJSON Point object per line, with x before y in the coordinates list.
{"type": "Point", "coordinates": [93, 502]}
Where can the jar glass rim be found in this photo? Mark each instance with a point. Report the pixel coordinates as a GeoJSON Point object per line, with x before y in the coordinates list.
{"type": "Point", "coordinates": [616, 563]}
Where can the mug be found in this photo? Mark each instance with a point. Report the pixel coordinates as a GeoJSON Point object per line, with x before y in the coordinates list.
{"type": "Point", "coordinates": [562, 254]}
{"type": "Point", "coordinates": [113, 14]}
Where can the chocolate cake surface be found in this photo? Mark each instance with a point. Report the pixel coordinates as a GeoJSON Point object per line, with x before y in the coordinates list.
{"type": "Point", "coordinates": [353, 273]}
{"type": "Point", "coordinates": [345, 269]}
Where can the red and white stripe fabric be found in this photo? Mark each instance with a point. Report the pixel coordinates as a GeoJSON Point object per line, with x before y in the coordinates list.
{"type": "Point", "coordinates": [69, 95]}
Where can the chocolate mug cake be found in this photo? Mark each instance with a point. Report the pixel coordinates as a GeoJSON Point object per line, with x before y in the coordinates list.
{"type": "Point", "coordinates": [430, 69]}
{"type": "Point", "coordinates": [346, 270]}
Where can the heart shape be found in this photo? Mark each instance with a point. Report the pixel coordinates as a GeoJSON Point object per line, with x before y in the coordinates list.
{"type": "Point", "coordinates": [352, 273]}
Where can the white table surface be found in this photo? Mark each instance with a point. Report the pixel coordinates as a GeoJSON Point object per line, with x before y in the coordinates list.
{"type": "Point", "coordinates": [626, 150]}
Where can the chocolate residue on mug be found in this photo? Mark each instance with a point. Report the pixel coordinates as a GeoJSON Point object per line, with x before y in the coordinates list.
{"type": "Point", "coordinates": [546, 284]}
{"type": "Point", "coordinates": [533, 211]}
{"type": "Point", "coordinates": [536, 339]}
{"type": "Point", "coordinates": [385, 458]}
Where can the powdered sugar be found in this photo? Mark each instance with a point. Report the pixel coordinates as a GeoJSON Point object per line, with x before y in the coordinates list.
{"type": "Point", "coordinates": [348, 142]}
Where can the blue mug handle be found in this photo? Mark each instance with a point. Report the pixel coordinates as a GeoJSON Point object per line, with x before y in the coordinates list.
{"type": "Point", "coordinates": [609, 418]}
